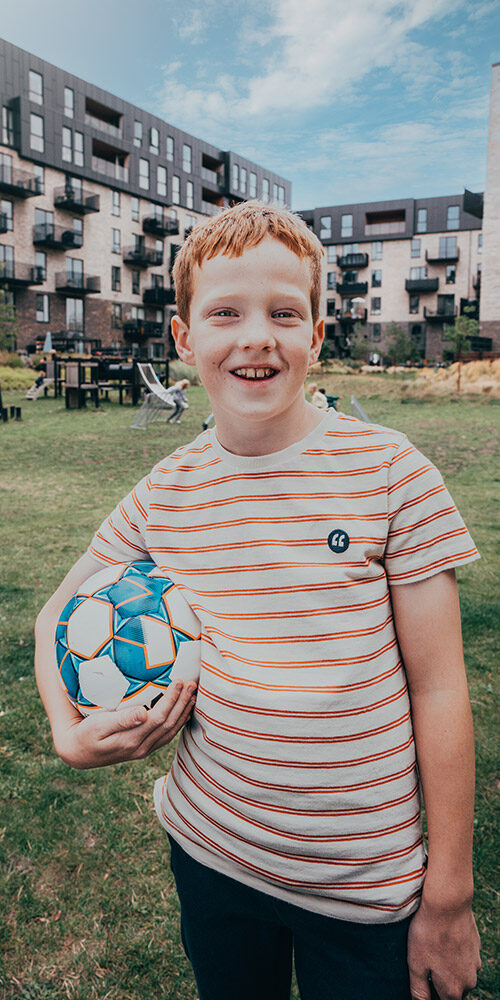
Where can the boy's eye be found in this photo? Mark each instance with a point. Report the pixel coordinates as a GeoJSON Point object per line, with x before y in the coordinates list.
{"type": "Point", "coordinates": [224, 312]}
{"type": "Point", "coordinates": [285, 314]}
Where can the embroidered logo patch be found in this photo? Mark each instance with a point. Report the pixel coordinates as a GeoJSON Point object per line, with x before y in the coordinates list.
{"type": "Point", "coordinates": [338, 540]}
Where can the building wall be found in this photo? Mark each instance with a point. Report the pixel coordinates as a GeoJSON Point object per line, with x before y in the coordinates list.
{"type": "Point", "coordinates": [490, 276]}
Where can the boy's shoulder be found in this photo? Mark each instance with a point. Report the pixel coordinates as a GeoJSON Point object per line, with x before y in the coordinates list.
{"type": "Point", "coordinates": [351, 432]}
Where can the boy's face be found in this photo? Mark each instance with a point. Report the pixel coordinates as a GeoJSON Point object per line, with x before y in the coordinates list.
{"type": "Point", "coordinates": [252, 338]}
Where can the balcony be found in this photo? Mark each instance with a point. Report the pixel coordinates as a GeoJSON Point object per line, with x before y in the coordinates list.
{"type": "Point", "coordinates": [115, 171]}
{"type": "Point", "coordinates": [160, 225]}
{"type": "Point", "coordinates": [113, 130]}
{"type": "Point", "coordinates": [209, 208]}
{"type": "Point", "coordinates": [72, 198]}
{"type": "Point", "coordinates": [139, 329]}
{"type": "Point", "coordinates": [213, 177]}
{"type": "Point", "coordinates": [77, 285]}
{"type": "Point", "coordinates": [421, 285]}
{"type": "Point", "coordinates": [18, 183]}
{"type": "Point", "coordinates": [141, 256]}
{"type": "Point", "coordinates": [440, 315]}
{"type": "Point", "coordinates": [442, 258]}
{"type": "Point", "coordinates": [353, 260]}
{"type": "Point", "coordinates": [352, 288]}
{"type": "Point", "coordinates": [14, 274]}
{"type": "Point", "coordinates": [348, 319]}
{"type": "Point", "coordinates": [52, 237]}
{"type": "Point", "coordinates": [158, 296]}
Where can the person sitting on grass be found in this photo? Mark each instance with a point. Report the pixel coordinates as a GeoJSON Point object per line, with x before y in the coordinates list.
{"type": "Point", "coordinates": [318, 397]}
{"type": "Point", "coordinates": [319, 553]}
{"type": "Point", "coordinates": [178, 394]}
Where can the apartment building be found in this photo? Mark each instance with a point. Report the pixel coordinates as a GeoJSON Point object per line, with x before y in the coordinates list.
{"type": "Point", "coordinates": [96, 196]}
{"type": "Point", "coordinates": [416, 262]}
{"type": "Point", "coordinates": [489, 313]}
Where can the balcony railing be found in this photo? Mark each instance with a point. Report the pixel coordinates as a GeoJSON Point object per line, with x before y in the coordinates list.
{"type": "Point", "coordinates": [352, 288]}
{"type": "Point", "coordinates": [46, 234]}
{"type": "Point", "coordinates": [14, 273]}
{"type": "Point", "coordinates": [103, 126]}
{"type": "Point", "coordinates": [18, 183]}
{"type": "Point", "coordinates": [450, 257]}
{"type": "Point", "coordinates": [75, 199]}
{"type": "Point", "coordinates": [158, 296]}
{"type": "Point", "coordinates": [160, 225]}
{"type": "Point", "coordinates": [349, 318]}
{"type": "Point", "coordinates": [208, 208]}
{"type": "Point", "coordinates": [142, 257]}
{"type": "Point", "coordinates": [141, 328]}
{"type": "Point", "coordinates": [440, 315]}
{"type": "Point", "coordinates": [109, 169]}
{"type": "Point", "coordinates": [353, 260]}
{"type": "Point", "coordinates": [213, 177]}
{"type": "Point", "coordinates": [421, 285]}
{"type": "Point", "coordinates": [77, 284]}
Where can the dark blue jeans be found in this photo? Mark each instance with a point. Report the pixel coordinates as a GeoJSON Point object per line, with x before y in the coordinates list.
{"type": "Point", "coordinates": [241, 944]}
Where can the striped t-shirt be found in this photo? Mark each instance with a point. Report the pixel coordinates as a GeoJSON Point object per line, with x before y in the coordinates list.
{"type": "Point", "coordinates": [296, 774]}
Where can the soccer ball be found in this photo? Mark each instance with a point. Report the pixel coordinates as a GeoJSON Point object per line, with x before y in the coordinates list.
{"type": "Point", "coordinates": [123, 637]}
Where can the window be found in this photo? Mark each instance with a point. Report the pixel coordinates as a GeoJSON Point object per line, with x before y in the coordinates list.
{"type": "Point", "coordinates": [331, 253]}
{"type": "Point", "coordinates": [36, 133]}
{"type": "Point", "coordinates": [447, 246]}
{"type": "Point", "coordinates": [376, 305]}
{"type": "Point", "coordinates": [331, 280]}
{"type": "Point", "coordinates": [74, 271]}
{"type": "Point", "coordinates": [377, 250]}
{"type": "Point", "coordinates": [136, 282]}
{"type": "Point", "coordinates": [159, 251]}
{"type": "Point", "coordinates": [74, 315]}
{"type": "Point", "coordinates": [116, 314]}
{"type": "Point", "coordinates": [116, 279]}
{"type": "Point", "coordinates": [416, 247]}
{"type": "Point", "coordinates": [78, 150]}
{"type": "Point", "coordinates": [330, 307]}
{"type": "Point", "coordinates": [157, 280]}
{"type": "Point", "coordinates": [281, 195]}
{"type": "Point", "coordinates": [346, 225]}
{"type": "Point", "coordinates": [7, 210]}
{"type": "Point", "coordinates": [275, 194]}
{"type": "Point", "coordinates": [176, 190]}
{"type": "Point", "coordinates": [42, 307]}
{"type": "Point", "coordinates": [350, 248]}
{"type": "Point", "coordinates": [243, 180]}
{"type": "Point", "coordinates": [252, 188]}
{"type": "Point", "coordinates": [376, 279]}
{"type": "Point", "coordinates": [187, 158]}
{"type": "Point", "coordinates": [137, 133]}
{"type": "Point", "coordinates": [421, 220]}
{"type": "Point", "coordinates": [453, 217]}
{"type": "Point", "coordinates": [69, 102]}
{"type": "Point", "coordinates": [7, 261]}
{"type": "Point", "coordinates": [154, 141]}
{"type": "Point", "coordinates": [418, 273]}
{"type": "Point", "coordinates": [41, 265]}
{"type": "Point", "coordinates": [35, 87]}
{"type": "Point", "coordinates": [236, 176]}
{"type": "Point", "coordinates": [144, 174]}
{"type": "Point", "coordinates": [67, 144]}
{"type": "Point", "coordinates": [451, 273]}
{"type": "Point", "coordinates": [39, 175]}
{"type": "Point", "coordinates": [350, 277]}
{"type": "Point", "coordinates": [138, 313]}
{"type": "Point", "coordinates": [170, 148]}
{"type": "Point", "coordinates": [414, 303]}
{"type": "Point", "coordinates": [189, 223]}
{"type": "Point", "coordinates": [325, 227]}
{"type": "Point", "coordinates": [134, 209]}
{"type": "Point", "coordinates": [161, 181]}
{"type": "Point", "coordinates": [6, 168]}
{"type": "Point", "coordinates": [376, 331]}
{"type": "Point", "coordinates": [265, 189]}
{"type": "Point", "coordinates": [7, 126]}
{"type": "Point", "coordinates": [115, 241]}
{"type": "Point", "coordinates": [43, 218]}
{"type": "Point", "coordinates": [189, 194]}
{"type": "Point", "coordinates": [78, 228]}
{"type": "Point", "coordinates": [115, 203]}
{"type": "Point", "coordinates": [479, 242]}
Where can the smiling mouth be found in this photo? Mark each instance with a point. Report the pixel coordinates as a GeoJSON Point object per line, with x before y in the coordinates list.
{"type": "Point", "coordinates": [255, 374]}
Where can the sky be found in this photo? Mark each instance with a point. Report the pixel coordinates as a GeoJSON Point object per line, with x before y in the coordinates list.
{"type": "Point", "coordinates": [350, 100]}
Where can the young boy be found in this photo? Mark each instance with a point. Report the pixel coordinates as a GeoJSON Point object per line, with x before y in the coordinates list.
{"type": "Point", "coordinates": [318, 552]}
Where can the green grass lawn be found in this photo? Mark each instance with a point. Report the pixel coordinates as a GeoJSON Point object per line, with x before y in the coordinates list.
{"type": "Point", "coordinates": [87, 904]}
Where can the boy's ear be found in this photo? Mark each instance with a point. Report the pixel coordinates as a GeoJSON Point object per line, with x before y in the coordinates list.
{"type": "Point", "coordinates": [180, 333]}
{"type": "Point", "coordinates": [317, 340]}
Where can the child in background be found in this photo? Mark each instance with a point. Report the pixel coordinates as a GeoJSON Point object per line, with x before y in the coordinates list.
{"type": "Point", "coordinates": [178, 393]}
{"type": "Point", "coordinates": [319, 554]}
{"type": "Point", "coordinates": [318, 397]}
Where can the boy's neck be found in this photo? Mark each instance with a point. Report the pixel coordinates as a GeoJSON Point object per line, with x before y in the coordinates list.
{"type": "Point", "coordinates": [264, 438]}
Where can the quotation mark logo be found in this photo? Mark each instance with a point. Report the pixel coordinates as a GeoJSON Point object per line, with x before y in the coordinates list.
{"type": "Point", "coordinates": [338, 540]}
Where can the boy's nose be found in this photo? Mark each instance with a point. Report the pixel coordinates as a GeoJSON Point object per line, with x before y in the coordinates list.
{"type": "Point", "coordinates": [257, 333]}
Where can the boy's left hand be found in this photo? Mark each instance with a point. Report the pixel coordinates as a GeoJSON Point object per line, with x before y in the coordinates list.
{"type": "Point", "coordinates": [443, 944]}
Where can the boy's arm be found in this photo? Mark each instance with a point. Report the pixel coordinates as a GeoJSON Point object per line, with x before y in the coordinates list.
{"type": "Point", "coordinates": [443, 940]}
{"type": "Point", "coordinates": [104, 737]}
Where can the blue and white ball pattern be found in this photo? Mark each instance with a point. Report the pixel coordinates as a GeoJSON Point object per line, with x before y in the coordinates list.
{"type": "Point", "coordinates": [124, 636]}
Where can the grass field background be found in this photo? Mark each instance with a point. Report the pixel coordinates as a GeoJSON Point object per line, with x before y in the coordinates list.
{"type": "Point", "coordinates": [87, 905]}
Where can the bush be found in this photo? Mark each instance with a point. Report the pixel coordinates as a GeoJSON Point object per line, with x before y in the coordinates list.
{"type": "Point", "coordinates": [177, 370]}
{"type": "Point", "coordinates": [16, 378]}
{"type": "Point", "coordinates": [11, 359]}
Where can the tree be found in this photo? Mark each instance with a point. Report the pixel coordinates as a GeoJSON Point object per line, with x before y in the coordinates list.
{"type": "Point", "coordinates": [361, 347]}
{"type": "Point", "coordinates": [8, 322]}
{"type": "Point", "coordinates": [400, 347]}
{"type": "Point", "coordinates": [460, 336]}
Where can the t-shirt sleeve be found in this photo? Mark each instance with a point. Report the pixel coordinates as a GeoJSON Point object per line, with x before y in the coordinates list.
{"type": "Point", "coordinates": [122, 536]}
{"type": "Point", "coordinates": [426, 532]}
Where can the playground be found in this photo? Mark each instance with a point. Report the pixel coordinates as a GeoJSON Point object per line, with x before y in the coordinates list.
{"type": "Point", "coordinates": [87, 901]}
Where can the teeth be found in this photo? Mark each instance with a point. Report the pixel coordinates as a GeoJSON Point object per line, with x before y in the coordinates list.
{"type": "Point", "coordinates": [254, 372]}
